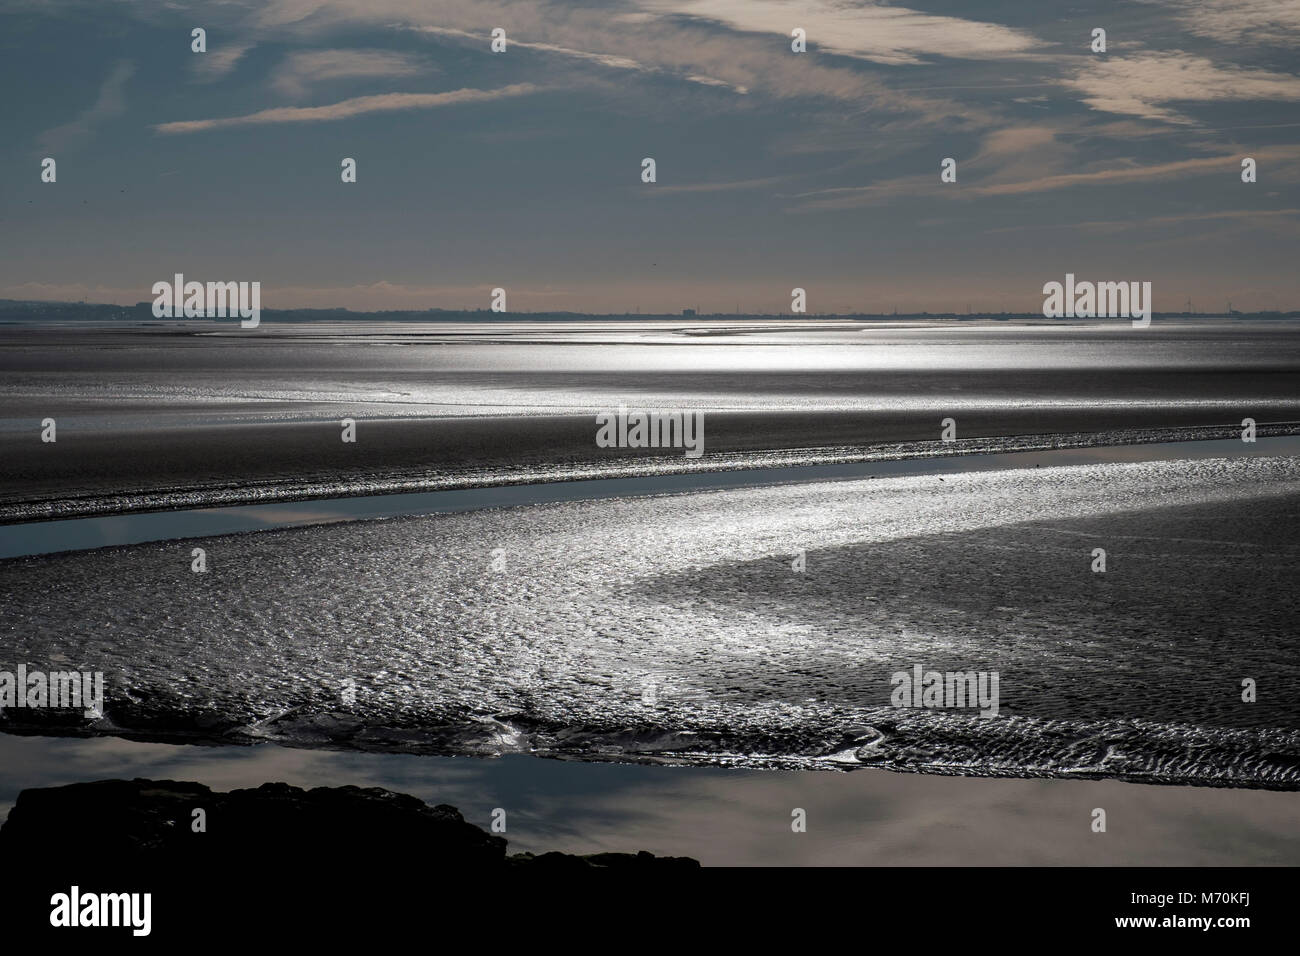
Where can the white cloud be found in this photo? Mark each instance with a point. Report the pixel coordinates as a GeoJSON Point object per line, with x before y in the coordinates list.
{"type": "Point", "coordinates": [1142, 85]}
{"type": "Point", "coordinates": [384, 102]}
{"type": "Point", "coordinates": [876, 32]}
{"type": "Point", "coordinates": [1241, 21]}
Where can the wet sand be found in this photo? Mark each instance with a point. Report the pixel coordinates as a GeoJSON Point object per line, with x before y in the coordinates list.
{"type": "Point", "coordinates": [1132, 673]}
{"type": "Point", "coordinates": [1106, 679]}
{"type": "Point", "coordinates": [163, 410]}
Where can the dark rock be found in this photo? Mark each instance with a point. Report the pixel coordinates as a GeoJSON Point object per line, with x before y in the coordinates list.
{"type": "Point", "coordinates": [149, 823]}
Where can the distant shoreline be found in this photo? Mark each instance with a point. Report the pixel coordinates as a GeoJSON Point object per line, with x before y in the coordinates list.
{"type": "Point", "coordinates": [19, 311]}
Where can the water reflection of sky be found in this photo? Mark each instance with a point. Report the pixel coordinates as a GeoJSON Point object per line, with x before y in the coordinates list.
{"type": "Point", "coordinates": [736, 817]}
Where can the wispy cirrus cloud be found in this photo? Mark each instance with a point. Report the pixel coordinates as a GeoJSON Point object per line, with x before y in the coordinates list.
{"type": "Point", "coordinates": [111, 102]}
{"type": "Point", "coordinates": [1228, 164]}
{"type": "Point", "coordinates": [345, 109]}
{"type": "Point", "coordinates": [1246, 216]}
{"type": "Point", "coordinates": [612, 61]}
{"type": "Point", "coordinates": [301, 69]}
{"type": "Point", "coordinates": [1026, 160]}
{"type": "Point", "coordinates": [653, 40]}
{"type": "Point", "coordinates": [604, 59]}
{"type": "Point", "coordinates": [738, 185]}
{"type": "Point", "coordinates": [219, 61]}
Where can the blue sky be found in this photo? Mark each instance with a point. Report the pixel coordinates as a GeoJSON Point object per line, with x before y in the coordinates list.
{"type": "Point", "coordinates": [775, 169]}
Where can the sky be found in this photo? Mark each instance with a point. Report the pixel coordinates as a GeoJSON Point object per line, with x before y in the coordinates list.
{"type": "Point", "coordinates": [774, 169]}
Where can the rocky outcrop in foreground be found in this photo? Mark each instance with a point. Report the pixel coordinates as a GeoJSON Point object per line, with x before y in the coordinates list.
{"type": "Point", "coordinates": [153, 823]}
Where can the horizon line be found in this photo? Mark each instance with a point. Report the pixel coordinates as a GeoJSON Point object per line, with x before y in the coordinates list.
{"type": "Point", "coordinates": [683, 314]}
